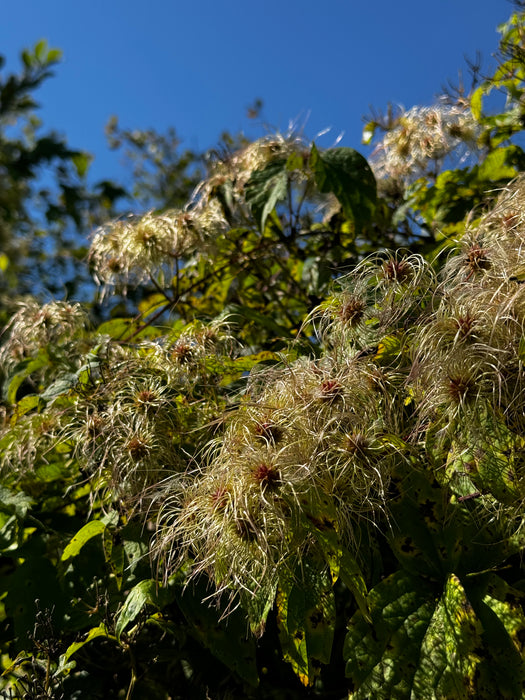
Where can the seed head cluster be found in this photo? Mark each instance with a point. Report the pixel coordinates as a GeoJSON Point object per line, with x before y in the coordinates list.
{"type": "Point", "coordinates": [408, 367]}
{"type": "Point", "coordinates": [414, 368]}
{"type": "Point", "coordinates": [134, 250]}
{"type": "Point", "coordinates": [419, 138]}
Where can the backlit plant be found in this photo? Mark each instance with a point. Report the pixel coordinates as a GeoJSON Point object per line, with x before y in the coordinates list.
{"type": "Point", "coordinates": [296, 441]}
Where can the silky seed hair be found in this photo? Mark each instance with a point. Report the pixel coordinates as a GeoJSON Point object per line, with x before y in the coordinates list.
{"type": "Point", "coordinates": [420, 137]}
{"type": "Point", "coordinates": [33, 326]}
{"type": "Point", "coordinates": [127, 252]}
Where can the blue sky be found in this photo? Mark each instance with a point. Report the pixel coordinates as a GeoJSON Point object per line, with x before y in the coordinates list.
{"type": "Point", "coordinates": [198, 65]}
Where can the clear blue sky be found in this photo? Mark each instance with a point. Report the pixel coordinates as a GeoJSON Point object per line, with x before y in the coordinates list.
{"type": "Point", "coordinates": [198, 65]}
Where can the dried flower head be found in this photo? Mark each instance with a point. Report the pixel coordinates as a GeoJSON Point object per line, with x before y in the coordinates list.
{"type": "Point", "coordinates": [421, 136]}
{"type": "Point", "coordinates": [130, 251]}
{"type": "Point", "coordinates": [34, 326]}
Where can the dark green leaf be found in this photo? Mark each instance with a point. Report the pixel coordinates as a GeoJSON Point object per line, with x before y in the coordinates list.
{"type": "Point", "coordinates": [306, 616]}
{"type": "Point", "coordinates": [346, 173]}
{"type": "Point", "coordinates": [145, 593]}
{"type": "Point", "coordinates": [226, 638]}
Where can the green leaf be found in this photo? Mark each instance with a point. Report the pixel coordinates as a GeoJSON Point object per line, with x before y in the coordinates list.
{"type": "Point", "coordinates": [306, 618]}
{"type": "Point", "coordinates": [497, 460]}
{"type": "Point", "coordinates": [257, 607]}
{"type": "Point", "coordinates": [351, 575]}
{"type": "Point", "coordinates": [13, 511]}
{"type": "Point", "coordinates": [290, 615]}
{"type": "Point", "coordinates": [320, 517]}
{"type": "Point", "coordinates": [24, 370]}
{"type": "Point", "coordinates": [476, 102]}
{"type": "Point", "coordinates": [147, 592]}
{"type": "Point", "coordinates": [295, 161]}
{"type": "Point", "coordinates": [28, 403]}
{"type": "Point", "coordinates": [33, 587]}
{"type": "Point", "coordinates": [116, 328]}
{"type": "Point", "coordinates": [86, 533]}
{"type": "Point", "coordinates": [81, 161]}
{"type": "Point", "coordinates": [27, 58]}
{"type": "Point", "coordinates": [48, 473]}
{"type": "Point", "coordinates": [119, 328]}
{"type": "Point", "coordinates": [94, 633]}
{"type": "Point", "coordinates": [429, 643]}
{"type": "Point", "coordinates": [152, 303]}
{"type": "Point", "coordinates": [59, 387]}
{"type": "Point", "coordinates": [500, 609]}
{"type": "Point", "coordinates": [263, 320]}
{"type": "Point", "coordinates": [54, 55]}
{"type": "Point", "coordinates": [316, 274]}
{"type": "Point", "coordinates": [266, 188]}
{"type": "Point", "coordinates": [381, 658]}
{"type": "Point", "coordinates": [18, 503]}
{"type": "Point", "coordinates": [40, 50]}
{"type": "Point", "coordinates": [497, 165]}
{"type": "Point", "coordinates": [346, 173]}
{"type": "Point", "coordinates": [116, 563]}
{"type": "Point", "coordinates": [388, 350]}
{"type": "Point", "coordinates": [449, 653]}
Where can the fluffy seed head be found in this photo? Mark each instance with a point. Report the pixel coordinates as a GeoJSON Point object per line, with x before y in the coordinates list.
{"type": "Point", "coordinates": [267, 475]}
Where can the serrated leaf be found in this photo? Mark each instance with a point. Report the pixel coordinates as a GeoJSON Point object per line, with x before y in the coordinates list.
{"type": "Point", "coordinates": [501, 612]}
{"type": "Point", "coordinates": [449, 652]}
{"type": "Point", "coordinates": [17, 503]}
{"type": "Point", "coordinates": [258, 606]}
{"type": "Point", "coordinates": [291, 629]}
{"type": "Point", "coordinates": [427, 644]}
{"type": "Point", "coordinates": [381, 658]}
{"type": "Point", "coordinates": [351, 575]}
{"type": "Point", "coordinates": [346, 173]}
{"type": "Point", "coordinates": [86, 533]}
{"type": "Point", "coordinates": [321, 520]}
{"type": "Point", "coordinates": [498, 461]}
